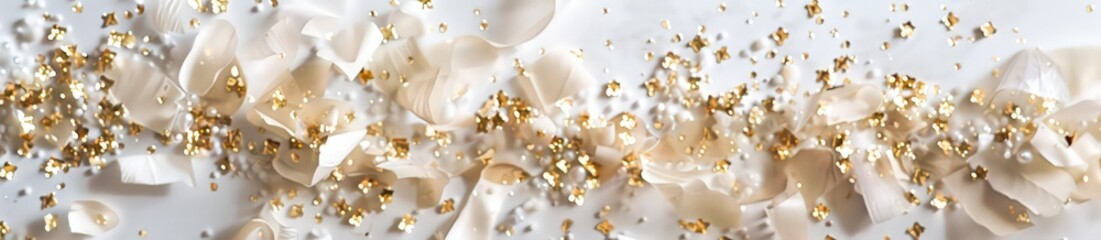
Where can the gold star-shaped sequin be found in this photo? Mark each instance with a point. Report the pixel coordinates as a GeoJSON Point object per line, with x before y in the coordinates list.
{"type": "Point", "coordinates": [109, 20]}
{"type": "Point", "coordinates": [406, 223]}
{"type": "Point", "coordinates": [605, 227]}
{"type": "Point", "coordinates": [988, 29]}
{"type": "Point", "coordinates": [780, 36]}
{"type": "Point", "coordinates": [906, 30]}
{"type": "Point", "coordinates": [950, 20]}
{"type": "Point", "coordinates": [8, 171]}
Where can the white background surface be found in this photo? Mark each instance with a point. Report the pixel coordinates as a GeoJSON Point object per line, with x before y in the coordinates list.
{"type": "Point", "coordinates": [181, 212]}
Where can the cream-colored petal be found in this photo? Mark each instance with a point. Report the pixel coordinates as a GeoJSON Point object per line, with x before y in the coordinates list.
{"type": "Point", "coordinates": [351, 48]}
{"type": "Point", "coordinates": [409, 19]}
{"type": "Point", "coordinates": [91, 217]}
{"type": "Point", "coordinates": [1080, 69]}
{"type": "Point", "coordinates": [257, 229]}
{"type": "Point", "coordinates": [282, 41]}
{"type": "Point", "coordinates": [147, 94]}
{"type": "Point", "coordinates": [479, 214]}
{"type": "Point", "coordinates": [167, 19]}
{"type": "Point", "coordinates": [555, 76]}
{"type": "Point", "coordinates": [392, 61]}
{"type": "Point", "coordinates": [1053, 147]}
{"type": "Point", "coordinates": [312, 168]}
{"type": "Point", "coordinates": [519, 21]}
{"type": "Point", "coordinates": [789, 216]}
{"type": "Point", "coordinates": [215, 49]}
{"type": "Point", "coordinates": [156, 169]}
{"type": "Point", "coordinates": [883, 197]}
{"type": "Point", "coordinates": [1031, 71]}
{"type": "Point", "coordinates": [1005, 177]}
{"type": "Point", "coordinates": [846, 104]}
{"type": "Point", "coordinates": [987, 207]}
{"type": "Point", "coordinates": [814, 170]}
{"type": "Point", "coordinates": [430, 181]}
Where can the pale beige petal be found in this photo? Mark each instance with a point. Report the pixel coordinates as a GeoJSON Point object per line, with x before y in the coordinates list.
{"type": "Point", "coordinates": [1004, 177]}
{"type": "Point", "coordinates": [430, 181]}
{"type": "Point", "coordinates": [520, 21]}
{"type": "Point", "coordinates": [156, 169]}
{"type": "Point", "coordinates": [314, 167]}
{"type": "Point", "coordinates": [215, 49]}
{"type": "Point", "coordinates": [555, 76]}
{"type": "Point", "coordinates": [409, 19]}
{"type": "Point", "coordinates": [167, 17]}
{"type": "Point", "coordinates": [846, 104]}
{"type": "Point", "coordinates": [479, 214]}
{"type": "Point", "coordinates": [789, 216]}
{"type": "Point", "coordinates": [1080, 68]}
{"type": "Point", "coordinates": [984, 205]}
{"type": "Point", "coordinates": [255, 229]}
{"type": "Point", "coordinates": [1031, 71]}
{"type": "Point", "coordinates": [351, 48]}
{"type": "Point", "coordinates": [91, 217]}
{"type": "Point", "coordinates": [147, 94]}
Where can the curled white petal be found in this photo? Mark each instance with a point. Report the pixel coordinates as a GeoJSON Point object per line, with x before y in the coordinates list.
{"type": "Point", "coordinates": [147, 94]}
{"type": "Point", "coordinates": [520, 21]}
{"type": "Point", "coordinates": [91, 217]}
{"type": "Point", "coordinates": [167, 19]}
{"type": "Point", "coordinates": [1031, 71]}
{"type": "Point", "coordinates": [255, 229]}
{"type": "Point", "coordinates": [846, 104]}
{"type": "Point", "coordinates": [214, 49]}
{"type": "Point", "coordinates": [314, 167]}
{"type": "Point", "coordinates": [479, 214]}
{"type": "Point", "coordinates": [1005, 176]}
{"type": "Point", "coordinates": [409, 20]}
{"type": "Point", "coordinates": [555, 76]}
{"type": "Point", "coordinates": [430, 181]}
{"type": "Point", "coordinates": [156, 169]}
{"type": "Point", "coordinates": [985, 206]}
{"type": "Point", "coordinates": [351, 48]}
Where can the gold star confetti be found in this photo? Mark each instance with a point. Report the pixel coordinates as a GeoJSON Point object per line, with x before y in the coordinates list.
{"type": "Point", "coordinates": [820, 212]}
{"type": "Point", "coordinates": [698, 43]}
{"type": "Point", "coordinates": [8, 171]}
{"type": "Point", "coordinates": [51, 222]}
{"type": "Point", "coordinates": [915, 230]}
{"type": "Point", "coordinates": [721, 55]}
{"type": "Point", "coordinates": [906, 30]}
{"type": "Point", "coordinates": [780, 36]}
{"type": "Point", "coordinates": [483, 25]}
{"type": "Point", "coordinates": [406, 223]}
{"type": "Point", "coordinates": [109, 20]}
{"type": "Point", "coordinates": [611, 89]}
{"type": "Point", "coordinates": [446, 206]}
{"type": "Point", "coordinates": [699, 226]}
{"type": "Point", "coordinates": [295, 211]}
{"type": "Point", "coordinates": [604, 227]}
{"type": "Point", "coordinates": [813, 9]}
{"type": "Point", "coordinates": [4, 230]}
{"type": "Point", "coordinates": [57, 32]}
{"type": "Point", "coordinates": [950, 20]}
{"type": "Point", "coordinates": [988, 29]}
{"type": "Point", "coordinates": [48, 200]}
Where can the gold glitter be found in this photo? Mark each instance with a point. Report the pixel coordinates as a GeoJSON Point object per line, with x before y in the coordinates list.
{"type": "Point", "coordinates": [109, 20]}
{"type": "Point", "coordinates": [1089, 8]}
{"type": "Point", "coordinates": [446, 206]}
{"type": "Point", "coordinates": [612, 89]}
{"type": "Point", "coordinates": [988, 29]}
{"type": "Point", "coordinates": [780, 36]}
{"type": "Point", "coordinates": [939, 201]}
{"type": "Point", "coordinates": [51, 222]}
{"type": "Point", "coordinates": [295, 211]}
{"type": "Point", "coordinates": [979, 172]}
{"type": "Point", "coordinates": [143, 233]}
{"type": "Point", "coordinates": [213, 187]}
{"type": "Point", "coordinates": [699, 226]}
{"type": "Point", "coordinates": [906, 30]}
{"type": "Point", "coordinates": [786, 141]}
{"type": "Point", "coordinates": [389, 32]}
{"type": "Point", "coordinates": [665, 24]}
{"type": "Point", "coordinates": [721, 166]}
{"type": "Point", "coordinates": [48, 200]}
{"type": "Point", "coordinates": [820, 212]}
{"type": "Point", "coordinates": [278, 100]}
{"type": "Point", "coordinates": [915, 230]}
{"type": "Point", "coordinates": [698, 43]}
{"type": "Point", "coordinates": [4, 230]}
{"type": "Point", "coordinates": [8, 171]}
{"type": "Point", "coordinates": [78, 7]}
{"type": "Point", "coordinates": [54, 166]}
{"type": "Point", "coordinates": [813, 9]}
{"type": "Point", "coordinates": [398, 149]}
{"type": "Point", "coordinates": [407, 222]}
{"type": "Point", "coordinates": [566, 224]}
{"type": "Point", "coordinates": [235, 83]}
{"type": "Point", "coordinates": [56, 33]}
{"type": "Point", "coordinates": [721, 55]}
{"type": "Point", "coordinates": [483, 25]}
{"type": "Point", "coordinates": [950, 20]}
{"type": "Point", "coordinates": [604, 227]}
{"type": "Point", "coordinates": [912, 197]}
{"type": "Point", "coordinates": [443, 27]}
{"type": "Point", "coordinates": [119, 39]}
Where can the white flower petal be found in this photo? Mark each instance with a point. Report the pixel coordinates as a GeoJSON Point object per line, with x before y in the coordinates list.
{"type": "Point", "coordinates": [987, 207]}
{"type": "Point", "coordinates": [147, 94]}
{"type": "Point", "coordinates": [215, 49]}
{"type": "Point", "coordinates": [350, 49]}
{"type": "Point", "coordinates": [519, 21]}
{"type": "Point", "coordinates": [846, 104]}
{"type": "Point", "coordinates": [156, 169]}
{"type": "Point", "coordinates": [1031, 71]}
{"type": "Point", "coordinates": [430, 181]}
{"type": "Point", "coordinates": [883, 197]}
{"type": "Point", "coordinates": [91, 217]}
{"type": "Point", "coordinates": [409, 20]}
{"type": "Point", "coordinates": [316, 166]}
{"type": "Point", "coordinates": [255, 228]}
{"type": "Point", "coordinates": [479, 214]}
{"type": "Point", "coordinates": [167, 19]}
{"type": "Point", "coordinates": [555, 76]}
{"type": "Point", "coordinates": [789, 216]}
{"type": "Point", "coordinates": [1079, 68]}
{"type": "Point", "coordinates": [1005, 177]}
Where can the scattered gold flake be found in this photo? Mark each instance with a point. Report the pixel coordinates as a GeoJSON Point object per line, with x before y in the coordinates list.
{"type": "Point", "coordinates": [407, 223]}
{"type": "Point", "coordinates": [483, 25]}
{"type": "Point", "coordinates": [722, 7]}
{"type": "Point", "coordinates": [295, 211]}
{"type": "Point", "coordinates": [698, 43]}
{"type": "Point", "coordinates": [357, 218]}
{"type": "Point", "coordinates": [121, 39]}
{"type": "Point", "coordinates": [213, 187]}
{"type": "Point", "coordinates": [988, 29]}
{"type": "Point", "coordinates": [786, 141]}
{"type": "Point", "coordinates": [978, 173]}
{"type": "Point", "coordinates": [950, 20]}
{"type": "Point", "coordinates": [78, 7]}
{"type": "Point", "coordinates": [235, 83]}
{"type": "Point", "coordinates": [54, 166]}
{"type": "Point", "coordinates": [48, 200]}
{"type": "Point", "coordinates": [722, 55]}
{"type": "Point", "coordinates": [56, 32]}
{"type": "Point", "coordinates": [612, 89]}
{"type": "Point", "coordinates": [820, 212]}
{"type": "Point", "coordinates": [665, 24]}
{"type": "Point", "coordinates": [398, 149]}
{"type": "Point", "coordinates": [915, 230]}
{"type": "Point", "coordinates": [721, 166]}
{"type": "Point", "coordinates": [51, 222]}
{"type": "Point", "coordinates": [142, 233]}
{"type": "Point", "coordinates": [566, 224]}
{"type": "Point", "coordinates": [939, 201]}
{"type": "Point", "coordinates": [4, 230]}
{"type": "Point", "coordinates": [8, 171]}
{"type": "Point", "coordinates": [443, 27]}
{"type": "Point", "coordinates": [604, 227]}
{"type": "Point", "coordinates": [1089, 8]}
{"type": "Point", "coordinates": [780, 36]}
{"type": "Point", "coordinates": [426, 4]}
{"type": "Point", "coordinates": [912, 197]}
{"type": "Point", "coordinates": [813, 9]}
{"type": "Point", "coordinates": [906, 30]}
{"type": "Point", "coordinates": [109, 20]}
{"type": "Point", "coordinates": [446, 206]}
{"type": "Point", "coordinates": [389, 32]}
{"type": "Point", "coordinates": [699, 226]}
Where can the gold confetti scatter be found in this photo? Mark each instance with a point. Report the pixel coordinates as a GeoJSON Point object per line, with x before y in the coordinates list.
{"type": "Point", "coordinates": [78, 7]}
{"type": "Point", "coordinates": [699, 226]}
{"type": "Point", "coordinates": [612, 89]}
{"type": "Point", "coordinates": [48, 200]}
{"type": "Point", "coordinates": [698, 43]}
{"type": "Point", "coordinates": [820, 212]}
{"type": "Point", "coordinates": [950, 20]}
{"type": "Point", "coordinates": [566, 224]}
{"type": "Point", "coordinates": [780, 36]}
{"type": "Point", "coordinates": [906, 30]}
{"type": "Point", "coordinates": [915, 230]}
{"type": "Point", "coordinates": [443, 27]}
{"type": "Point", "coordinates": [446, 206]}
{"type": "Point", "coordinates": [988, 29]}
{"type": "Point", "coordinates": [295, 211]}
{"type": "Point", "coordinates": [666, 25]}
{"type": "Point", "coordinates": [143, 233]}
{"type": "Point", "coordinates": [483, 25]}
{"type": "Point", "coordinates": [604, 227]}
{"type": "Point", "coordinates": [813, 9]}
{"type": "Point", "coordinates": [51, 222]}
{"type": "Point", "coordinates": [109, 20]}
{"type": "Point", "coordinates": [56, 32]}
{"type": "Point", "coordinates": [8, 171]}
{"type": "Point", "coordinates": [407, 222]}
